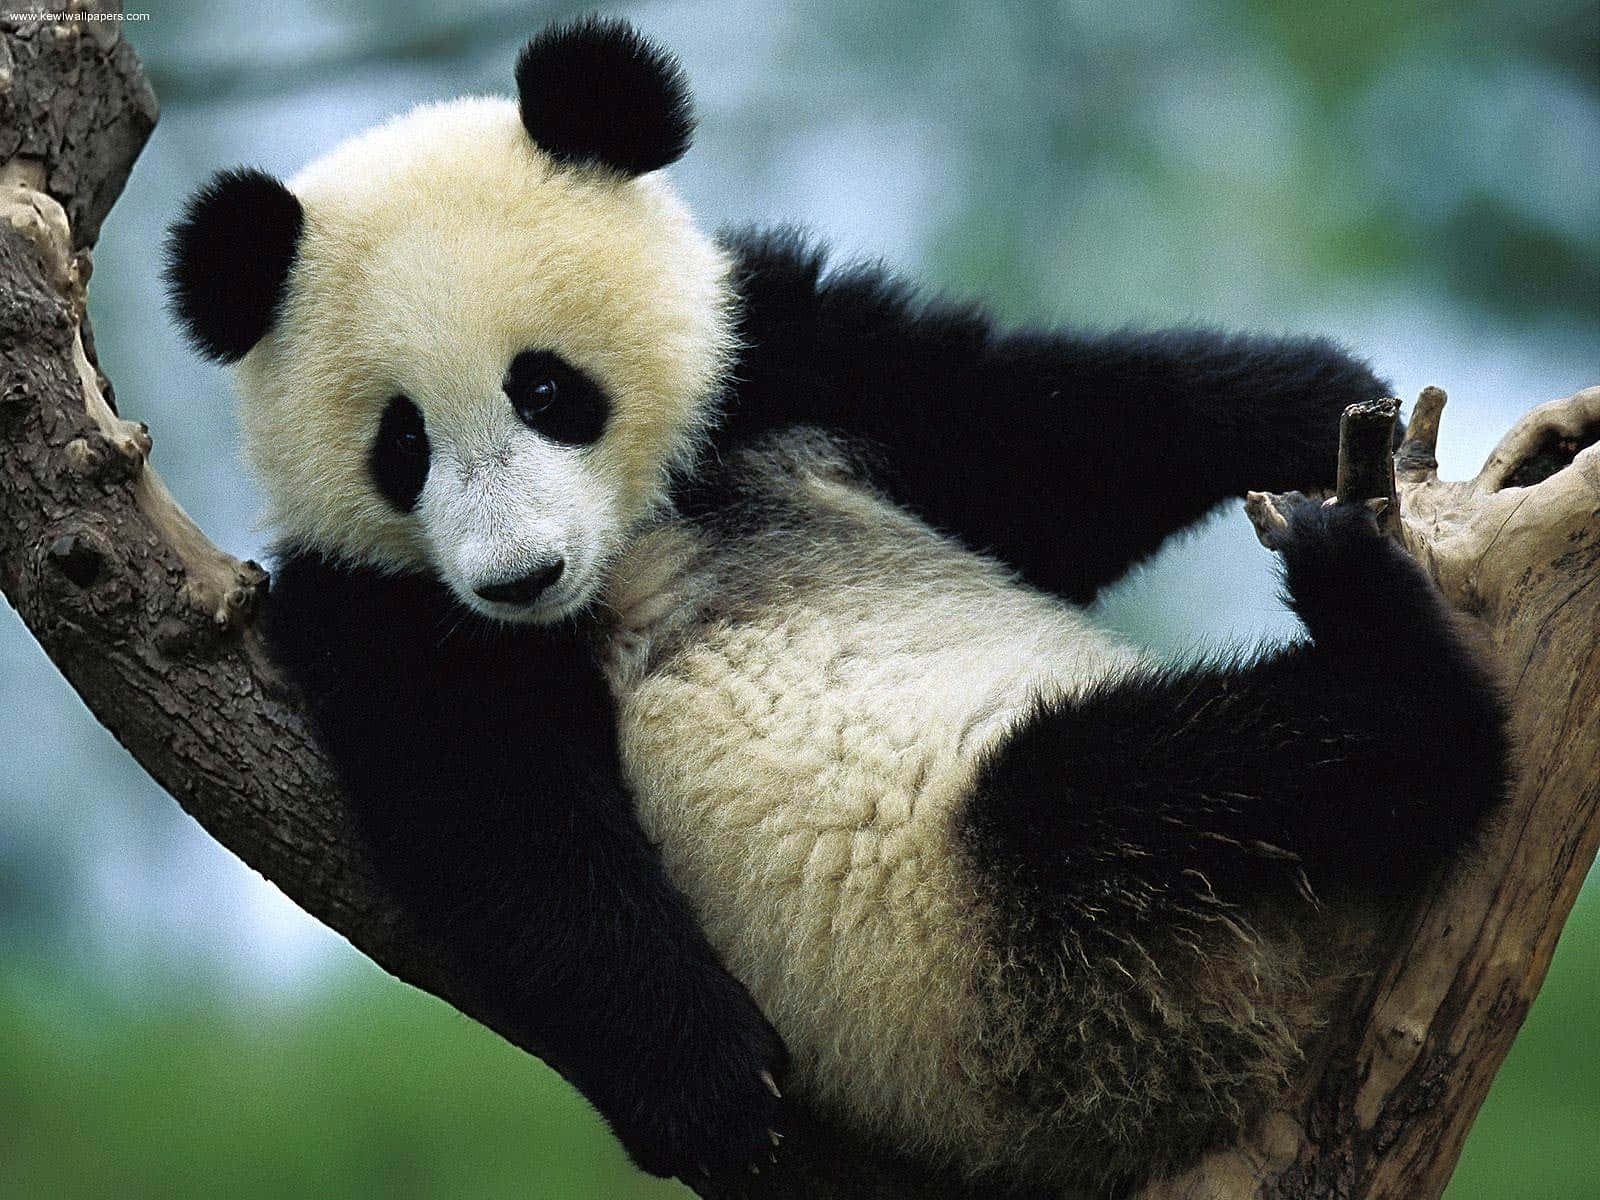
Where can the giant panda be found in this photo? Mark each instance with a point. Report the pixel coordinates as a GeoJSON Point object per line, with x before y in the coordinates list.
{"type": "Point", "coordinates": [697, 630]}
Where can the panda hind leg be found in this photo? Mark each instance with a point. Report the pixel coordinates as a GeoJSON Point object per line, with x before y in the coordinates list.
{"type": "Point", "coordinates": [1362, 755]}
{"type": "Point", "coordinates": [1155, 844]}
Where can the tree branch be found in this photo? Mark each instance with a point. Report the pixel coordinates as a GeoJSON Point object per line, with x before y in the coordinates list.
{"type": "Point", "coordinates": [151, 624]}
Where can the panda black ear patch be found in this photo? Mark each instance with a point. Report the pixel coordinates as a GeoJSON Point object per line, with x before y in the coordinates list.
{"type": "Point", "coordinates": [595, 91]}
{"type": "Point", "coordinates": [228, 260]}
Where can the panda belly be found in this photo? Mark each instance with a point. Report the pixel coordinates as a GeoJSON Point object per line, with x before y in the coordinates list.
{"type": "Point", "coordinates": [799, 749]}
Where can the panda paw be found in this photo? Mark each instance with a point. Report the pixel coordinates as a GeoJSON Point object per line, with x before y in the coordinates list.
{"type": "Point", "coordinates": [712, 1105]}
{"type": "Point", "coordinates": [1351, 583]}
{"type": "Point", "coordinates": [1293, 522]}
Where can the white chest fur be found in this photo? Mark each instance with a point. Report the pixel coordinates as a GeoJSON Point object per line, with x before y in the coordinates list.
{"type": "Point", "coordinates": [798, 750]}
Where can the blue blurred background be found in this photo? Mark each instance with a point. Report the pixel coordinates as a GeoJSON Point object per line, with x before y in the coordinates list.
{"type": "Point", "coordinates": [1419, 180]}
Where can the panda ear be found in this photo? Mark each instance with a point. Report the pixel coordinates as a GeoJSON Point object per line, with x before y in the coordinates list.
{"type": "Point", "coordinates": [595, 91]}
{"type": "Point", "coordinates": [228, 260]}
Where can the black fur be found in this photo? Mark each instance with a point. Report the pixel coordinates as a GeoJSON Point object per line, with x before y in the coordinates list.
{"type": "Point", "coordinates": [595, 91]}
{"type": "Point", "coordinates": [1233, 779]}
{"type": "Point", "coordinates": [555, 398]}
{"type": "Point", "coordinates": [1070, 456]}
{"type": "Point", "coordinates": [400, 454]}
{"type": "Point", "coordinates": [482, 763]}
{"type": "Point", "coordinates": [228, 260]}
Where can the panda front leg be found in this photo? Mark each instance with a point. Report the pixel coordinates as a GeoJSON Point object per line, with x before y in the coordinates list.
{"type": "Point", "coordinates": [1363, 756]}
{"type": "Point", "coordinates": [553, 908]}
{"type": "Point", "coordinates": [633, 1006]}
{"type": "Point", "coordinates": [481, 767]}
{"type": "Point", "coordinates": [1037, 470]}
{"type": "Point", "coordinates": [1023, 444]}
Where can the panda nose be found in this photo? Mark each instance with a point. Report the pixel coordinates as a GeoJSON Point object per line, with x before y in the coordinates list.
{"type": "Point", "coordinates": [526, 589]}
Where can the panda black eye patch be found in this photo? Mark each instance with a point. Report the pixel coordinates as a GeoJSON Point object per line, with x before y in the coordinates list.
{"type": "Point", "coordinates": [554, 398]}
{"type": "Point", "coordinates": [400, 453]}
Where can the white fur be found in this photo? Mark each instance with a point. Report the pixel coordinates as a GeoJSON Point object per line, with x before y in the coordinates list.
{"type": "Point", "coordinates": [437, 247]}
{"type": "Point", "coordinates": [500, 500]}
{"type": "Point", "coordinates": [799, 755]}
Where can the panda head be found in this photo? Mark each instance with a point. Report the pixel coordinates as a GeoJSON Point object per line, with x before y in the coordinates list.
{"type": "Point", "coordinates": [476, 340]}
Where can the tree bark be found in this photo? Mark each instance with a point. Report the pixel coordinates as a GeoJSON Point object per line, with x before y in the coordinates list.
{"type": "Point", "coordinates": [152, 626]}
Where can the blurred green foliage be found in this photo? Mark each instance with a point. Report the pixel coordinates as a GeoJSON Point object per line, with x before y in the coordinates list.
{"type": "Point", "coordinates": [372, 1089]}
{"type": "Point", "coordinates": [367, 1088]}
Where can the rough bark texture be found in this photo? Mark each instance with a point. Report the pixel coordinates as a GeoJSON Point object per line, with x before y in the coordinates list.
{"type": "Point", "coordinates": [74, 101]}
{"type": "Point", "coordinates": [151, 624]}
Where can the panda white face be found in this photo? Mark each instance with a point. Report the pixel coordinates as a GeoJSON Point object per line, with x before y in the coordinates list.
{"type": "Point", "coordinates": [517, 515]}
{"type": "Point", "coordinates": [485, 363]}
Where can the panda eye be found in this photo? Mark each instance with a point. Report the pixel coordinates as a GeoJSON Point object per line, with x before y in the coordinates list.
{"type": "Point", "coordinates": [554, 398]}
{"type": "Point", "coordinates": [541, 396]}
{"type": "Point", "coordinates": [400, 454]}
{"type": "Point", "coordinates": [403, 428]}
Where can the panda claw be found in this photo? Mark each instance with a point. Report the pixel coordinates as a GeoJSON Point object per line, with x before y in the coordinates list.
{"type": "Point", "coordinates": [1266, 514]}
{"type": "Point", "coordinates": [772, 1085]}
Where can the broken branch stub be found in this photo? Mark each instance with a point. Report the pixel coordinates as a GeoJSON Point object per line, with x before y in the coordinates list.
{"type": "Point", "coordinates": [1366, 463]}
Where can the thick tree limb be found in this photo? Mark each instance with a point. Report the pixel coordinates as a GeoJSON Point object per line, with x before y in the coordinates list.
{"type": "Point", "coordinates": [150, 623]}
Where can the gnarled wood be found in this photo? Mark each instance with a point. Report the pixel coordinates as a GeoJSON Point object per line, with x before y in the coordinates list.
{"type": "Point", "coordinates": [150, 623]}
